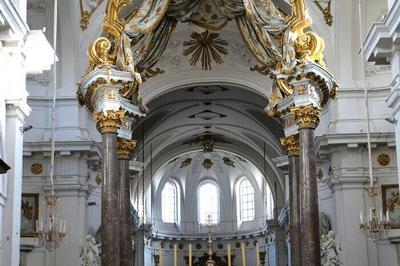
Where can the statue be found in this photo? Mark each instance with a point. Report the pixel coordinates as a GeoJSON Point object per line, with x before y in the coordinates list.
{"type": "Point", "coordinates": [330, 249]}
{"type": "Point", "coordinates": [89, 251]}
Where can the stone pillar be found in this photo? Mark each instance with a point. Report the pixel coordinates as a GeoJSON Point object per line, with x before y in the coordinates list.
{"type": "Point", "coordinates": [108, 123]}
{"type": "Point", "coordinates": [125, 150]}
{"type": "Point", "coordinates": [291, 144]}
{"type": "Point", "coordinates": [307, 119]}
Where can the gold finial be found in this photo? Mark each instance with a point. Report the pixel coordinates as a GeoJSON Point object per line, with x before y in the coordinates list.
{"type": "Point", "coordinates": [125, 148]}
{"type": "Point", "coordinates": [306, 116]}
{"type": "Point", "coordinates": [291, 144]}
{"type": "Point", "coordinates": [108, 121]}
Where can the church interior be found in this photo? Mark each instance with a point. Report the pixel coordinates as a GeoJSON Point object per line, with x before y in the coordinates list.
{"type": "Point", "coordinates": [199, 132]}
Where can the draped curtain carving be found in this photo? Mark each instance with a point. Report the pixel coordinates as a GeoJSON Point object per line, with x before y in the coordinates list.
{"type": "Point", "coordinates": [147, 33]}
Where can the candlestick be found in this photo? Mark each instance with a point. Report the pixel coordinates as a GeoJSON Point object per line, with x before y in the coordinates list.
{"type": "Point", "coordinates": [257, 255]}
{"type": "Point", "coordinates": [190, 254]}
{"type": "Point", "coordinates": [175, 256]}
{"type": "Point", "coordinates": [243, 256]}
{"type": "Point", "coordinates": [229, 255]}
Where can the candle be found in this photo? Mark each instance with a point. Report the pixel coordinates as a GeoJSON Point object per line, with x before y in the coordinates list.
{"type": "Point", "coordinates": [243, 255]}
{"type": "Point", "coordinates": [190, 254]}
{"type": "Point", "coordinates": [387, 216]}
{"type": "Point", "coordinates": [257, 255]}
{"type": "Point", "coordinates": [229, 255]}
{"type": "Point", "coordinates": [175, 256]}
{"type": "Point", "coordinates": [381, 215]}
{"type": "Point", "coordinates": [160, 255]}
{"type": "Point", "coordinates": [361, 217]}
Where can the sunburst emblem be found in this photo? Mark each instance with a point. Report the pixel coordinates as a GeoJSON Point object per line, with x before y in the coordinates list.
{"type": "Point", "coordinates": [206, 47]}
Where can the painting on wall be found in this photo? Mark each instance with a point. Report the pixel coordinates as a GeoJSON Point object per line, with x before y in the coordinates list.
{"type": "Point", "coordinates": [29, 213]}
{"type": "Point", "coordinates": [391, 202]}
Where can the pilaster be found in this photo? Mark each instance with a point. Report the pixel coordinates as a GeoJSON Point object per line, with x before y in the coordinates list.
{"type": "Point", "coordinates": [10, 237]}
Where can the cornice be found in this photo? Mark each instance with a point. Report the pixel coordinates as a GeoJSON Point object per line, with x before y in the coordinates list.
{"type": "Point", "coordinates": [352, 140]}
{"type": "Point", "coordinates": [62, 146]}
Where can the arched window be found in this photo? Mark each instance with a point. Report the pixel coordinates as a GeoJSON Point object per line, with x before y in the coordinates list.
{"type": "Point", "coordinates": [246, 198]}
{"type": "Point", "coordinates": [208, 203]}
{"type": "Point", "coordinates": [169, 203]}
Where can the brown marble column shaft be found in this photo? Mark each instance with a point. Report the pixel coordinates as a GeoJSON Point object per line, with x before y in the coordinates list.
{"type": "Point", "coordinates": [125, 150]}
{"type": "Point", "coordinates": [294, 216]}
{"type": "Point", "coordinates": [110, 248]}
{"type": "Point", "coordinates": [107, 123]}
{"type": "Point", "coordinates": [307, 119]}
{"type": "Point", "coordinates": [291, 145]}
{"type": "Point", "coordinates": [126, 250]}
{"type": "Point", "coordinates": [309, 199]}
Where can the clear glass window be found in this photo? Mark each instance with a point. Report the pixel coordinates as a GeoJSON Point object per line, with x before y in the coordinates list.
{"type": "Point", "coordinates": [247, 204]}
{"type": "Point", "coordinates": [169, 203]}
{"type": "Point", "coordinates": [208, 202]}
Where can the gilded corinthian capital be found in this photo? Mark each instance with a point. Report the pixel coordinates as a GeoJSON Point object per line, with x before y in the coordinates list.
{"type": "Point", "coordinates": [125, 148]}
{"type": "Point", "coordinates": [108, 121]}
{"type": "Point", "coordinates": [291, 144]}
{"type": "Point", "coordinates": [306, 116]}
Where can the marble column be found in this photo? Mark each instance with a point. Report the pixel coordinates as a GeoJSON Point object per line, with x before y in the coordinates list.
{"type": "Point", "coordinates": [125, 150]}
{"type": "Point", "coordinates": [291, 144]}
{"type": "Point", "coordinates": [307, 119]}
{"type": "Point", "coordinates": [108, 123]}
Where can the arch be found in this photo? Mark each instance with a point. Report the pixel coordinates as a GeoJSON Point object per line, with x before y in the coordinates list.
{"type": "Point", "coordinates": [208, 202]}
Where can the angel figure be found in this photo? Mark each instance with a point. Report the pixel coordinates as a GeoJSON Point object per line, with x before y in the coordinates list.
{"type": "Point", "coordinates": [89, 252]}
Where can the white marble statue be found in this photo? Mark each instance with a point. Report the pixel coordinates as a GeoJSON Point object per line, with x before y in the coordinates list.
{"type": "Point", "coordinates": [89, 251]}
{"type": "Point", "coordinates": [330, 249]}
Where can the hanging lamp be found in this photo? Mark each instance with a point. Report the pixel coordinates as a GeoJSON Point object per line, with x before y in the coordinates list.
{"type": "Point", "coordinates": [51, 231]}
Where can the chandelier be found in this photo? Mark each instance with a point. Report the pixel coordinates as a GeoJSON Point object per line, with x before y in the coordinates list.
{"type": "Point", "coordinates": [374, 225]}
{"type": "Point", "coordinates": [51, 231]}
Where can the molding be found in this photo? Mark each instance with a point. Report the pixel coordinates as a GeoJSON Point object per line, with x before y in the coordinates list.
{"type": "Point", "coordinates": [380, 41]}
{"type": "Point", "coordinates": [13, 18]}
{"type": "Point", "coordinates": [62, 146]}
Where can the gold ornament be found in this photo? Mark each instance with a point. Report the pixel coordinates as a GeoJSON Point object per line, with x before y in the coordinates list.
{"type": "Point", "coordinates": [207, 163]}
{"type": "Point", "coordinates": [306, 116]}
{"type": "Point", "coordinates": [109, 121]}
{"type": "Point", "coordinates": [326, 11]}
{"type": "Point", "coordinates": [383, 159]}
{"type": "Point", "coordinates": [125, 148]}
{"type": "Point", "coordinates": [36, 168]}
{"type": "Point", "coordinates": [205, 47]}
{"type": "Point", "coordinates": [291, 144]}
{"type": "Point", "coordinates": [308, 45]}
{"type": "Point", "coordinates": [98, 180]}
{"type": "Point", "coordinates": [112, 23]}
{"type": "Point", "coordinates": [87, 14]}
{"type": "Point", "coordinates": [186, 163]}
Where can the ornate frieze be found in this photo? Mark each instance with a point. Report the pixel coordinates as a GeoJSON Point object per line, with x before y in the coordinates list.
{"type": "Point", "coordinates": [306, 116]}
